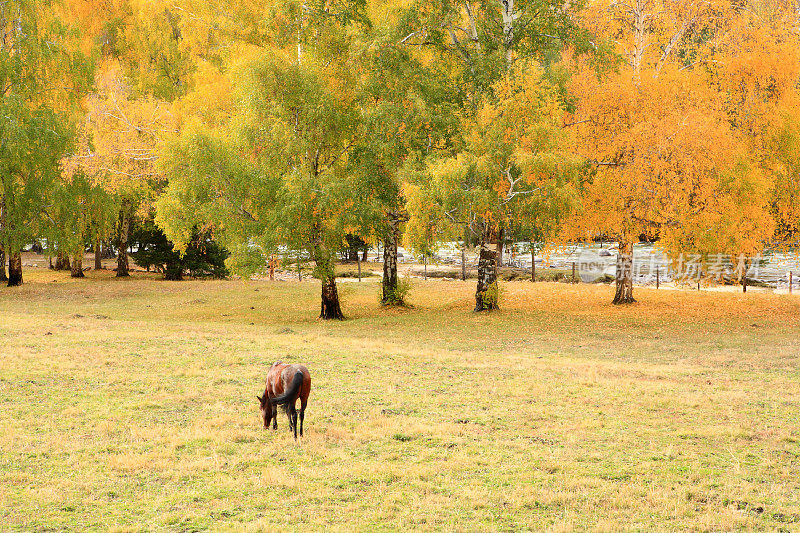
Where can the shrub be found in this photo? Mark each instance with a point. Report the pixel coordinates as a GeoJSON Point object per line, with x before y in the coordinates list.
{"type": "Point", "coordinates": [397, 296]}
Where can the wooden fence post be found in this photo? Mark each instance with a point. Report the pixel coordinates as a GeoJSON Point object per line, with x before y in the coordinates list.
{"type": "Point", "coordinates": [272, 267]}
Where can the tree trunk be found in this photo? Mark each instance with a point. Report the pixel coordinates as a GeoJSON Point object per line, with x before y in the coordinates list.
{"type": "Point", "coordinates": [122, 253]}
{"type": "Point", "coordinates": [464, 262]}
{"type": "Point", "coordinates": [389, 293]}
{"type": "Point", "coordinates": [486, 295]}
{"type": "Point", "coordinates": [3, 276]}
{"type": "Point", "coordinates": [500, 244]}
{"type": "Point", "coordinates": [77, 265]}
{"type": "Point", "coordinates": [508, 17]}
{"type": "Point", "coordinates": [533, 264]}
{"type": "Point", "coordinates": [62, 261]}
{"type": "Point", "coordinates": [14, 269]}
{"type": "Point", "coordinates": [98, 256]}
{"type": "Point", "coordinates": [364, 255]}
{"type": "Point", "coordinates": [330, 308]}
{"type": "Point", "coordinates": [746, 268]}
{"type": "Point", "coordinates": [624, 274]}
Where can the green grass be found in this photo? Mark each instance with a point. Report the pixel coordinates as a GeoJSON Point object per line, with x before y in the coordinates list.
{"type": "Point", "coordinates": [130, 405]}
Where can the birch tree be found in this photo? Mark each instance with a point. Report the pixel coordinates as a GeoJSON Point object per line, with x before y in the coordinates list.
{"type": "Point", "coordinates": [406, 115]}
{"type": "Point", "coordinates": [42, 75]}
{"type": "Point", "coordinates": [756, 63]}
{"type": "Point", "coordinates": [480, 44]}
{"type": "Point", "coordinates": [126, 132]}
{"type": "Point", "coordinates": [666, 160]}
{"type": "Point", "coordinates": [516, 161]}
{"type": "Point", "coordinates": [281, 175]}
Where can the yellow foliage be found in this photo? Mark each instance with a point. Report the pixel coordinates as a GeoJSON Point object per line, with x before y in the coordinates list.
{"type": "Point", "coordinates": [666, 158]}
{"type": "Point", "coordinates": [125, 134]}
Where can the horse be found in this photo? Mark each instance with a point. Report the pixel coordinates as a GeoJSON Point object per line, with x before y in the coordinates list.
{"type": "Point", "coordinates": [285, 384]}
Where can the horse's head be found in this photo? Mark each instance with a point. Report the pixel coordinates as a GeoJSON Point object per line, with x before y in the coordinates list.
{"type": "Point", "coordinates": [266, 411]}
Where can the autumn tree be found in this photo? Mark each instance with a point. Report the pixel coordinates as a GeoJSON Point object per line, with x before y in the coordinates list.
{"type": "Point", "coordinates": [42, 73]}
{"type": "Point", "coordinates": [79, 210]}
{"type": "Point", "coordinates": [143, 64]}
{"type": "Point", "coordinates": [407, 115]}
{"type": "Point", "coordinates": [516, 164]}
{"type": "Point", "coordinates": [666, 160]}
{"type": "Point", "coordinates": [125, 132]}
{"type": "Point", "coordinates": [756, 63]}
{"type": "Point", "coordinates": [280, 171]}
{"type": "Point", "coordinates": [481, 46]}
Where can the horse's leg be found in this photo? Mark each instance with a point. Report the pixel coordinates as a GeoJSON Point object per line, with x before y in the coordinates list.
{"type": "Point", "coordinates": [294, 421]}
{"type": "Point", "coordinates": [274, 411]}
{"type": "Point", "coordinates": [303, 403]}
{"type": "Point", "coordinates": [288, 411]}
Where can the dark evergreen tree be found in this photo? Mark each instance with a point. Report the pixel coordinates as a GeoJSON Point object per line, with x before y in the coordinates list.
{"type": "Point", "coordinates": [203, 257]}
{"type": "Point", "coordinates": [354, 246]}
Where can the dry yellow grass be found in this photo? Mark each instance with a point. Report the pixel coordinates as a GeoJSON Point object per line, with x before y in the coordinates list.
{"type": "Point", "coordinates": [130, 405]}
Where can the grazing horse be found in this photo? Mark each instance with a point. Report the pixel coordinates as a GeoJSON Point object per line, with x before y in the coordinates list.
{"type": "Point", "coordinates": [285, 384]}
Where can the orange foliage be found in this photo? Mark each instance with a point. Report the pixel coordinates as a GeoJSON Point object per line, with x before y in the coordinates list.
{"type": "Point", "coordinates": [666, 158]}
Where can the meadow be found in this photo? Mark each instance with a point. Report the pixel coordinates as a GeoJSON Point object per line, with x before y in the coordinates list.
{"type": "Point", "coordinates": [130, 405]}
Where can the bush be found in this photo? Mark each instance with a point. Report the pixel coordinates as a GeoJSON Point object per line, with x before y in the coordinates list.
{"type": "Point", "coordinates": [399, 295]}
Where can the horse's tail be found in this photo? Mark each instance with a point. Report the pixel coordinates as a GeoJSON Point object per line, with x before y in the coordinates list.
{"type": "Point", "coordinates": [291, 393]}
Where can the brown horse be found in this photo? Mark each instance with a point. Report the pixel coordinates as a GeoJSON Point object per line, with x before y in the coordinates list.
{"type": "Point", "coordinates": [285, 384]}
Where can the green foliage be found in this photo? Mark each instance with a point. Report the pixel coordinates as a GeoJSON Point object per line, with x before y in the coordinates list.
{"type": "Point", "coordinates": [212, 187]}
{"type": "Point", "coordinates": [276, 175]}
{"type": "Point", "coordinates": [515, 170]}
{"type": "Point", "coordinates": [475, 43]}
{"type": "Point", "coordinates": [79, 212]}
{"type": "Point", "coordinates": [33, 142]}
{"type": "Point", "coordinates": [42, 78]}
{"type": "Point", "coordinates": [407, 114]}
{"type": "Point", "coordinates": [247, 260]}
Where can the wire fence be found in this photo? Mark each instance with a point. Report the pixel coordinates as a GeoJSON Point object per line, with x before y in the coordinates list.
{"type": "Point", "coordinates": [593, 261]}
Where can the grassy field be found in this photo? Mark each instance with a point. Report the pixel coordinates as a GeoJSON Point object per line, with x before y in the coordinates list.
{"type": "Point", "coordinates": [130, 405]}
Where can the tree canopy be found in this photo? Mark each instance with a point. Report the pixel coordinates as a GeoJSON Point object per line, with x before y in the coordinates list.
{"type": "Point", "coordinates": [292, 126]}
